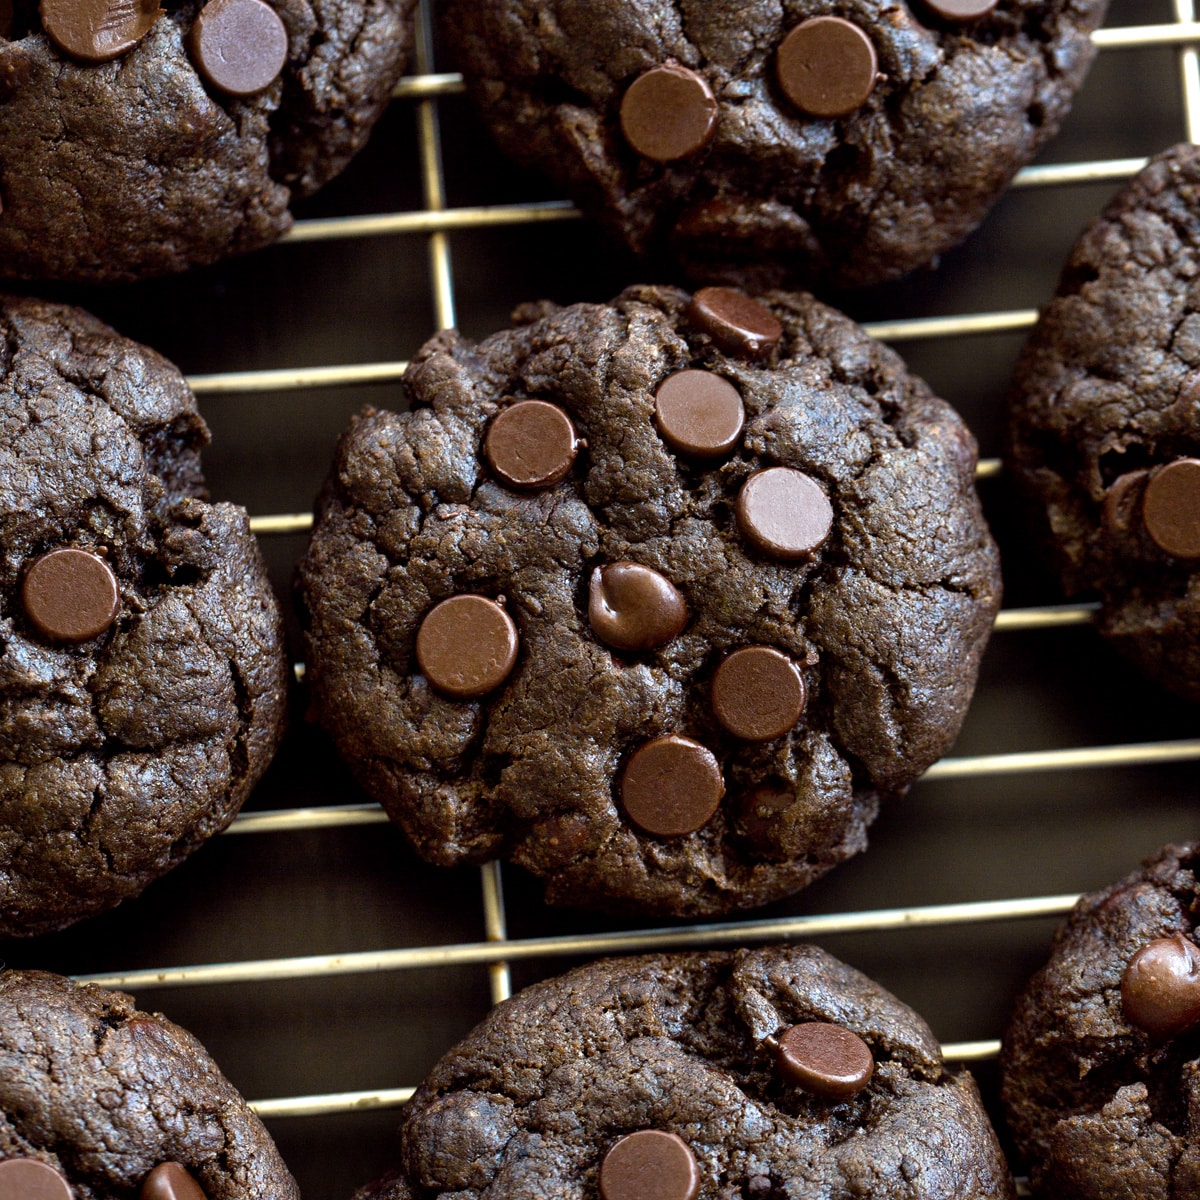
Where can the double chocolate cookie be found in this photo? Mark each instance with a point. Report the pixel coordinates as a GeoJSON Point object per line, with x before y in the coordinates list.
{"type": "Point", "coordinates": [762, 141]}
{"type": "Point", "coordinates": [1105, 424]}
{"type": "Point", "coordinates": [759, 1074]}
{"type": "Point", "coordinates": [1102, 1060]}
{"type": "Point", "coordinates": [142, 668]}
{"type": "Point", "coordinates": [656, 598]}
{"type": "Point", "coordinates": [99, 1100]}
{"type": "Point", "coordinates": [138, 140]}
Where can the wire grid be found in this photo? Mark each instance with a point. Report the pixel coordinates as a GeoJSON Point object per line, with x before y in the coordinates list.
{"type": "Point", "coordinates": [435, 222]}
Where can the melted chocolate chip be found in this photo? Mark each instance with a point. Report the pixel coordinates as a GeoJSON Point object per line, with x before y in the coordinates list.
{"type": "Point", "coordinates": [239, 46]}
{"type": "Point", "coordinates": [827, 67]}
{"type": "Point", "coordinates": [467, 646]}
{"type": "Point", "coordinates": [1160, 989]}
{"type": "Point", "coordinates": [960, 10]}
{"type": "Point", "coordinates": [632, 607]}
{"type": "Point", "coordinates": [531, 445]}
{"type": "Point", "coordinates": [739, 326]}
{"type": "Point", "coordinates": [1122, 503]}
{"type": "Point", "coordinates": [760, 809]}
{"type": "Point", "coordinates": [29, 1179]}
{"type": "Point", "coordinates": [784, 513]}
{"type": "Point", "coordinates": [649, 1165]}
{"type": "Point", "coordinates": [98, 30]}
{"type": "Point", "coordinates": [171, 1181]}
{"type": "Point", "coordinates": [699, 414]}
{"type": "Point", "coordinates": [1171, 508]}
{"type": "Point", "coordinates": [668, 113]}
{"type": "Point", "coordinates": [671, 786]}
{"type": "Point", "coordinates": [758, 693]}
{"type": "Point", "coordinates": [70, 595]}
{"type": "Point", "coordinates": [826, 1060]}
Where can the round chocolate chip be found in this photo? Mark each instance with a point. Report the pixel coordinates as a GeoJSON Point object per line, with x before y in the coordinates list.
{"type": "Point", "coordinates": [739, 325]}
{"type": "Point", "coordinates": [1160, 990]}
{"type": "Point", "coordinates": [239, 46]}
{"type": "Point", "coordinates": [28, 1179]}
{"type": "Point", "coordinates": [649, 1163]}
{"type": "Point", "coordinates": [671, 786]}
{"type": "Point", "coordinates": [531, 445]}
{"type": "Point", "coordinates": [632, 607]}
{"type": "Point", "coordinates": [827, 67]}
{"type": "Point", "coordinates": [97, 30]}
{"type": "Point", "coordinates": [826, 1060]}
{"type": "Point", "coordinates": [960, 10]}
{"type": "Point", "coordinates": [758, 693]}
{"type": "Point", "coordinates": [668, 113]}
{"type": "Point", "coordinates": [699, 414]}
{"type": "Point", "coordinates": [70, 595]}
{"type": "Point", "coordinates": [1171, 508]}
{"type": "Point", "coordinates": [466, 646]}
{"type": "Point", "coordinates": [784, 513]}
{"type": "Point", "coordinates": [171, 1181]}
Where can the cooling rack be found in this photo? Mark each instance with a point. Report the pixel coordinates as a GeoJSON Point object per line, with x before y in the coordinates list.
{"type": "Point", "coordinates": [330, 968]}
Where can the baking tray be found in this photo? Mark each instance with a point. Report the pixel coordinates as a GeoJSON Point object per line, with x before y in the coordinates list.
{"type": "Point", "coordinates": [325, 966]}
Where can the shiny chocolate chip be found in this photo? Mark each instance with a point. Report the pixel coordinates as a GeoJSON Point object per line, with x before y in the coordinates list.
{"type": "Point", "coordinates": [1160, 989]}
{"type": "Point", "coordinates": [633, 607]}
{"type": "Point", "coordinates": [827, 67]}
{"type": "Point", "coordinates": [671, 786]}
{"type": "Point", "coordinates": [98, 30]}
{"type": "Point", "coordinates": [758, 693]}
{"type": "Point", "coordinates": [739, 325]}
{"type": "Point", "coordinates": [1171, 508]}
{"type": "Point", "coordinates": [668, 113]}
{"type": "Point", "coordinates": [784, 513]}
{"type": "Point", "coordinates": [699, 414]}
{"type": "Point", "coordinates": [467, 646]}
{"type": "Point", "coordinates": [29, 1179]}
{"type": "Point", "coordinates": [531, 445]}
{"type": "Point", "coordinates": [171, 1181]}
{"type": "Point", "coordinates": [70, 595]}
{"type": "Point", "coordinates": [826, 1060]}
{"type": "Point", "coordinates": [960, 10]}
{"type": "Point", "coordinates": [239, 46]}
{"type": "Point", "coordinates": [651, 1164]}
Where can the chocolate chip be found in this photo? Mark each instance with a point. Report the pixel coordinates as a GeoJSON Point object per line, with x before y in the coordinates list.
{"type": "Point", "coordinates": [699, 413]}
{"type": "Point", "coordinates": [28, 1179]}
{"type": "Point", "coordinates": [784, 513]}
{"type": "Point", "coordinates": [70, 595]}
{"type": "Point", "coordinates": [826, 1060]}
{"type": "Point", "coordinates": [171, 1181]}
{"type": "Point", "coordinates": [632, 607]}
{"type": "Point", "coordinates": [668, 113]}
{"type": "Point", "coordinates": [1122, 502]}
{"type": "Point", "coordinates": [739, 325]}
{"type": "Point", "coordinates": [649, 1163]}
{"type": "Point", "coordinates": [960, 10]}
{"type": "Point", "coordinates": [1171, 508]}
{"type": "Point", "coordinates": [466, 646]}
{"type": "Point", "coordinates": [761, 807]}
{"type": "Point", "coordinates": [239, 46]}
{"type": "Point", "coordinates": [827, 67]}
{"type": "Point", "coordinates": [671, 786]}
{"type": "Point", "coordinates": [531, 444]}
{"type": "Point", "coordinates": [758, 693]}
{"type": "Point", "coordinates": [1160, 989]}
{"type": "Point", "coordinates": [97, 30]}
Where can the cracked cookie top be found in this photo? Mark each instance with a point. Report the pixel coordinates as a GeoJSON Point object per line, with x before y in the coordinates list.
{"type": "Point", "coordinates": [655, 598]}
{"type": "Point", "coordinates": [1105, 421]}
{"type": "Point", "coordinates": [765, 142]}
{"type": "Point", "coordinates": [138, 141]}
{"type": "Point", "coordinates": [142, 670]}
{"type": "Point", "coordinates": [686, 1064]}
{"type": "Point", "coordinates": [99, 1100]}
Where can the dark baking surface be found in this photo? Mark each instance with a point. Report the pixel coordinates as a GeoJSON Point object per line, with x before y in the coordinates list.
{"type": "Point", "coordinates": [994, 837]}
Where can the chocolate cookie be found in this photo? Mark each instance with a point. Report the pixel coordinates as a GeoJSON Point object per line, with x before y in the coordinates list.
{"type": "Point", "coordinates": [1105, 423]}
{"type": "Point", "coordinates": [656, 598]}
{"type": "Point", "coordinates": [137, 140]}
{"type": "Point", "coordinates": [1101, 1062]}
{"type": "Point", "coordinates": [142, 669]}
{"type": "Point", "coordinates": [99, 1100]}
{"type": "Point", "coordinates": [757, 1074]}
{"type": "Point", "coordinates": [763, 142]}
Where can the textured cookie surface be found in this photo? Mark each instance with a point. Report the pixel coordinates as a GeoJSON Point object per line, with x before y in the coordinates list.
{"type": "Point", "coordinates": [529, 1104]}
{"type": "Point", "coordinates": [122, 751]}
{"type": "Point", "coordinates": [139, 166]}
{"type": "Point", "coordinates": [103, 1094]}
{"type": "Point", "coordinates": [1099, 1106]}
{"type": "Point", "coordinates": [883, 624]}
{"type": "Point", "coordinates": [951, 110]}
{"type": "Point", "coordinates": [1106, 420]}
